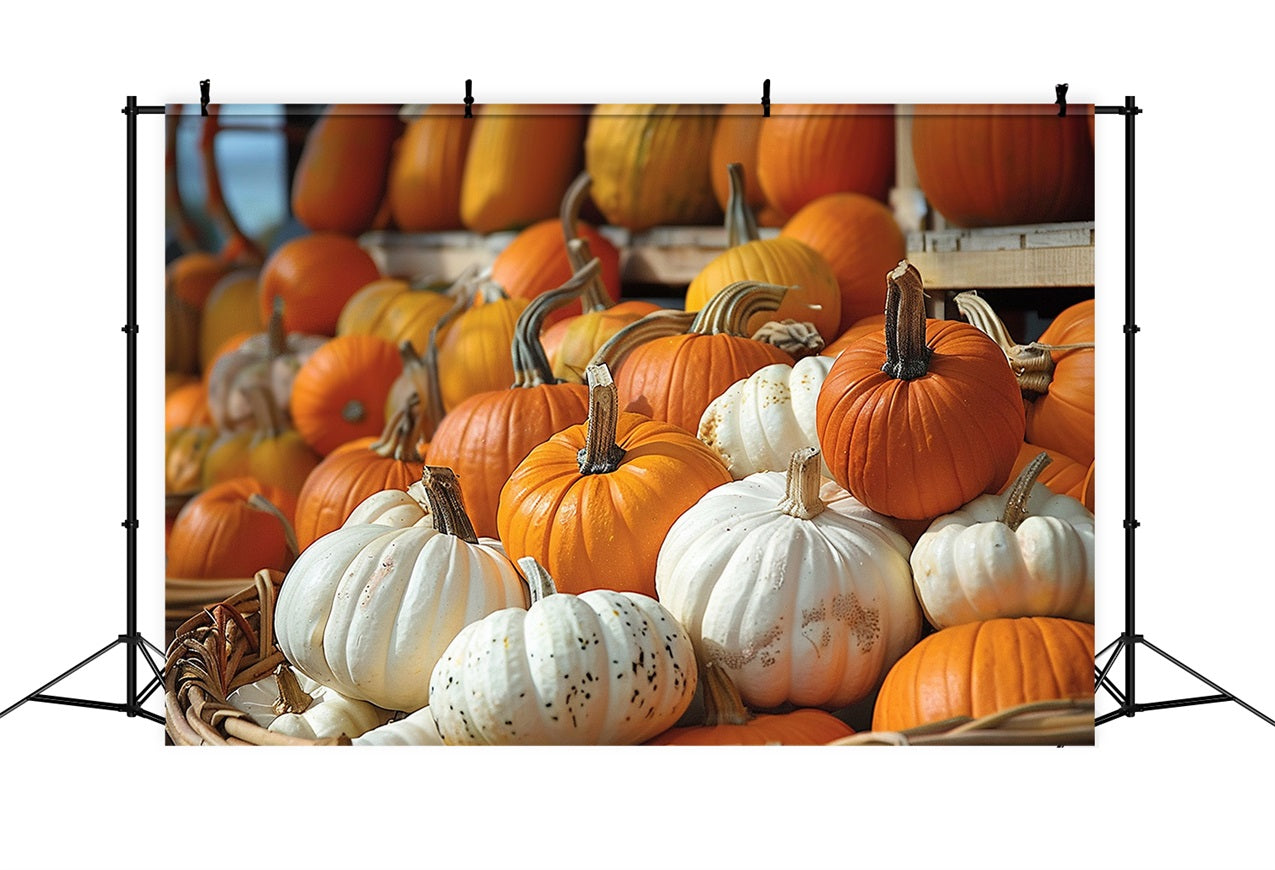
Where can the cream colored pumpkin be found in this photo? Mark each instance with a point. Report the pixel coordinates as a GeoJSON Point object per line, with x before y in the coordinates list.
{"type": "Point", "coordinates": [417, 729]}
{"type": "Point", "coordinates": [326, 712]}
{"type": "Point", "coordinates": [395, 508]}
{"type": "Point", "coordinates": [800, 592]}
{"type": "Point", "coordinates": [760, 420]}
{"type": "Point", "coordinates": [369, 609]}
{"type": "Point", "coordinates": [1026, 552]}
{"type": "Point", "coordinates": [602, 667]}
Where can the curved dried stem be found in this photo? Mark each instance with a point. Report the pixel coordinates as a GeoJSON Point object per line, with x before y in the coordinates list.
{"type": "Point", "coordinates": [657, 324]}
{"type": "Point", "coordinates": [538, 579]}
{"type": "Point", "coordinates": [446, 504]}
{"type": "Point", "coordinates": [731, 308]}
{"type": "Point", "coordinates": [1020, 493]}
{"type": "Point", "coordinates": [741, 225]}
{"type": "Point", "coordinates": [531, 364]}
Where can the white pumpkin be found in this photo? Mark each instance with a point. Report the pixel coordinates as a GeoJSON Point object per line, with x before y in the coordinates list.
{"type": "Point", "coordinates": [417, 729]}
{"type": "Point", "coordinates": [797, 590]}
{"type": "Point", "coordinates": [759, 421]}
{"type": "Point", "coordinates": [395, 508]}
{"type": "Point", "coordinates": [319, 711]}
{"type": "Point", "coordinates": [1027, 552]}
{"type": "Point", "coordinates": [369, 609]}
{"type": "Point", "coordinates": [602, 667]}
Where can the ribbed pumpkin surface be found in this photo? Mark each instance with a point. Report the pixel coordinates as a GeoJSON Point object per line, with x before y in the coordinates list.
{"type": "Point", "coordinates": [1063, 418]}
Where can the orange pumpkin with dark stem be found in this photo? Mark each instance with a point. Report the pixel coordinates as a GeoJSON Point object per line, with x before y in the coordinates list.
{"type": "Point", "coordinates": [1063, 475]}
{"type": "Point", "coordinates": [354, 471]}
{"type": "Point", "coordinates": [978, 668]}
{"type": "Point", "coordinates": [671, 365]}
{"type": "Point", "coordinates": [594, 502]}
{"type": "Point", "coordinates": [219, 534]}
{"type": "Point", "coordinates": [807, 151]}
{"type": "Point", "coordinates": [340, 179]}
{"type": "Point", "coordinates": [339, 392]}
{"type": "Point", "coordinates": [485, 437]}
{"type": "Point", "coordinates": [988, 165]}
{"type": "Point", "coordinates": [727, 722]}
{"type": "Point", "coordinates": [425, 174]}
{"type": "Point", "coordinates": [315, 275]}
{"type": "Point", "coordinates": [860, 240]}
{"type": "Point", "coordinates": [921, 419]}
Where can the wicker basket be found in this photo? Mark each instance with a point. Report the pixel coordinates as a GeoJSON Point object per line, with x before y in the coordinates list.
{"type": "Point", "coordinates": [226, 646]}
{"type": "Point", "coordinates": [1043, 723]}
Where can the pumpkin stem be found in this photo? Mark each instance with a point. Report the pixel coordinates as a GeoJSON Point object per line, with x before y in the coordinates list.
{"type": "Point", "coordinates": [741, 226]}
{"type": "Point", "coordinates": [805, 477]}
{"type": "Point", "coordinates": [730, 308]}
{"type": "Point", "coordinates": [907, 356]}
{"type": "Point", "coordinates": [259, 502]}
{"type": "Point", "coordinates": [422, 373]}
{"type": "Point", "coordinates": [594, 298]}
{"type": "Point", "coordinates": [722, 703]}
{"type": "Point", "coordinates": [531, 364]}
{"type": "Point", "coordinates": [264, 411]}
{"type": "Point", "coordinates": [446, 505]}
{"type": "Point", "coordinates": [600, 454]}
{"type": "Point", "coordinates": [402, 433]}
{"type": "Point", "coordinates": [292, 699]}
{"type": "Point", "coordinates": [1020, 492]}
{"type": "Point", "coordinates": [794, 338]}
{"type": "Point", "coordinates": [657, 324]}
{"type": "Point", "coordinates": [538, 579]}
{"type": "Point", "coordinates": [276, 338]}
{"type": "Point", "coordinates": [1032, 364]}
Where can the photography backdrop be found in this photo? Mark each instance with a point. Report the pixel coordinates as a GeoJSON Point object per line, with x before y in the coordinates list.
{"type": "Point", "coordinates": [356, 292]}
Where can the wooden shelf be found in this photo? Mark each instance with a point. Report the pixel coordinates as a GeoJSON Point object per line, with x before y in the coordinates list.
{"type": "Point", "coordinates": [993, 258]}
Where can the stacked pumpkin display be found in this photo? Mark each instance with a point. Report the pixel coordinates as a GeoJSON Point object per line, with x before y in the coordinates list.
{"type": "Point", "coordinates": [515, 506]}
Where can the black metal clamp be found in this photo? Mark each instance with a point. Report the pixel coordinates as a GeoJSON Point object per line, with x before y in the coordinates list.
{"type": "Point", "coordinates": [469, 98]}
{"type": "Point", "coordinates": [204, 85]}
{"type": "Point", "coordinates": [765, 98]}
{"type": "Point", "coordinates": [1060, 97]}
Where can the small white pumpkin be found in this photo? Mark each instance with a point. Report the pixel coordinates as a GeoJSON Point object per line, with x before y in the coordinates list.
{"type": "Point", "coordinates": [296, 705]}
{"type": "Point", "coordinates": [1027, 552]}
{"type": "Point", "coordinates": [602, 667]}
{"type": "Point", "coordinates": [417, 729]}
{"type": "Point", "coordinates": [368, 609]}
{"type": "Point", "coordinates": [759, 421]}
{"type": "Point", "coordinates": [797, 590]}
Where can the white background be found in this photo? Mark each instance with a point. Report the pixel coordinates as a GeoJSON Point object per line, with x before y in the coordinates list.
{"type": "Point", "coordinates": [1181, 788]}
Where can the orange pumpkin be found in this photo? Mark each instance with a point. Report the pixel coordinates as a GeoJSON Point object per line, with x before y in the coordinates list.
{"type": "Point", "coordinates": [807, 151]}
{"type": "Point", "coordinates": [186, 406]}
{"type": "Point", "coordinates": [921, 419]}
{"type": "Point", "coordinates": [860, 240]}
{"type": "Point", "coordinates": [219, 534]}
{"type": "Point", "coordinates": [594, 502]}
{"type": "Point", "coordinates": [192, 276]}
{"type": "Point", "coordinates": [340, 179]}
{"type": "Point", "coordinates": [425, 174]}
{"type": "Point", "coordinates": [184, 452]}
{"type": "Point", "coordinates": [339, 392]}
{"type": "Point", "coordinates": [735, 141]}
{"type": "Point", "coordinates": [520, 161]}
{"type": "Point", "coordinates": [978, 668]}
{"type": "Point", "coordinates": [728, 723]}
{"type": "Point", "coordinates": [867, 326]}
{"type": "Point", "coordinates": [315, 275]}
{"type": "Point", "coordinates": [813, 295]}
{"type": "Point", "coordinates": [1063, 475]}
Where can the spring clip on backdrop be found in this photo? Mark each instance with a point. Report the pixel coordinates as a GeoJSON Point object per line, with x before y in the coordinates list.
{"type": "Point", "coordinates": [1126, 643]}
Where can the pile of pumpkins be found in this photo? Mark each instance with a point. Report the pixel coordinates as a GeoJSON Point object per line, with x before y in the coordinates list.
{"type": "Point", "coordinates": [514, 507]}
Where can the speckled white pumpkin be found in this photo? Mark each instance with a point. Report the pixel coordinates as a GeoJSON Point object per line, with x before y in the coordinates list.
{"type": "Point", "coordinates": [329, 713]}
{"type": "Point", "coordinates": [972, 565]}
{"type": "Point", "coordinates": [368, 609]}
{"type": "Point", "coordinates": [417, 729]}
{"type": "Point", "coordinates": [797, 590]}
{"type": "Point", "coordinates": [759, 421]}
{"type": "Point", "coordinates": [603, 667]}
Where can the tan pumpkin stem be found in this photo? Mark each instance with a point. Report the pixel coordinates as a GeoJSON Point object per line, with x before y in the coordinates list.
{"type": "Point", "coordinates": [1019, 494]}
{"type": "Point", "coordinates": [791, 336]}
{"type": "Point", "coordinates": [730, 309]}
{"type": "Point", "coordinates": [803, 483]}
{"type": "Point", "coordinates": [259, 502]}
{"type": "Point", "coordinates": [907, 356]}
{"type": "Point", "coordinates": [276, 338]}
{"type": "Point", "coordinates": [657, 324]}
{"type": "Point", "coordinates": [722, 703]}
{"type": "Point", "coordinates": [741, 226]}
{"type": "Point", "coordinates": [446, 504]}
{"type": "Point", "coordinates": [538, 579]}
{"type": "Point", "coordinates": [600, 454]}
{"type": "Point", "coordinates": [292, 699]}
{"type": "Point", "coordinates": [1032, 364]}
{"type": "Point", "coordinates": [594, 298]}
{"type": "Point", "coordinates": [402, 433]}
{"type": "Point", "coordinates": [264, 411]}
{"type": "Point", "coordinates": [422, 373]}
{"type": "Point", "coordinates": [531, 364]}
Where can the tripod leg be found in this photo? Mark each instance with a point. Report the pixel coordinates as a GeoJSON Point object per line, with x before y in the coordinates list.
{"type": "Point", "coordinates": [1101, 678]}
{"type": "Point", "coordinates": [62, 676]}
{"type": "Point", "coordinates": [1207, 681]}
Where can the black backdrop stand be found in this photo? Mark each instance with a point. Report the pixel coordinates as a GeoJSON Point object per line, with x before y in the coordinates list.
{"type": "Point", "coordinates": [132, 640]}
{"type": "Point", "coordinates": [1129, 640]}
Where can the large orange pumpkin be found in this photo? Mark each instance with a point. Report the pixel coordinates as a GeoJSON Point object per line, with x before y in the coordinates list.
{"type": "Point", "coordinates": [425, 174]}
{"type": "Point", "coordinates": [339, 392]}
{"type": "Point", "coordinates": [807, 151]}
{"type": "Point", "coordinates": [315, 275]}
{"type": "Point", "coordinates": [921, 419]}
{"type": "Point", "coordinates": [994, 165]}
{"type": "Point", "coordinates": [219, 534]}
{"type": "Point", "coordinates": [340, 179]}
{"type": "Point", "coordinates": [860, 240]}
{"type": "Point", "coordinates": [978, 668]}
{"type": "Point", "coordinates": [520, 161]}
{"type": "Point", "coordinates": [594, 502]}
